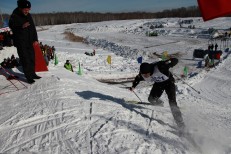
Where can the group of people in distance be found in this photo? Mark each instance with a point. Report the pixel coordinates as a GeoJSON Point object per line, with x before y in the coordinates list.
{"type": "Point", "coordinates": [10, 62]}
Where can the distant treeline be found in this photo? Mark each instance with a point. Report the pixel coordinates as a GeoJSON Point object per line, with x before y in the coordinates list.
{"type": "Point", "coordinates": [57, 18]}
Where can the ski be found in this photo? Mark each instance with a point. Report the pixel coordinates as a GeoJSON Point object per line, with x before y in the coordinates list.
{"type": "Point", "coordinates": [136, 102]}
{"type": "Point", "coordinates": [140, 103]}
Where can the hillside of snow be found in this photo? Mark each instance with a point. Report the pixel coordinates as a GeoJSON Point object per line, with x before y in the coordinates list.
{"type": "Point", "coordinates": [64, 112]}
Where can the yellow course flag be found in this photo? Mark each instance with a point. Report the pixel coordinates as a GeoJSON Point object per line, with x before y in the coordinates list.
{"type": "Point", "coordinates": [109, 59]}
{"type": "Point", "coordinates": [165, 55]}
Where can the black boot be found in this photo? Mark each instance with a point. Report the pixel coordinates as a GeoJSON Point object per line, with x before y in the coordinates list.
{"type": "Point", "coordinates": [36, 76]}
{"type": "Point", "coordinates": [177, 116]}
{"type": "Point", "coordinates": [30, 81]}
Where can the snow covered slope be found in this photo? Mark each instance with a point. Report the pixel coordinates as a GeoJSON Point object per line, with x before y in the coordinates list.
{"type": "Point", "coordinates": [66, 113]}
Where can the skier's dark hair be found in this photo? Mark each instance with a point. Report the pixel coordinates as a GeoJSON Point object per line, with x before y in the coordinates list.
{"type": "Point", "coordinates": [145, 68]}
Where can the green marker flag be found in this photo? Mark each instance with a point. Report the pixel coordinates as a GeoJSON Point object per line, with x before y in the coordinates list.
{"type": "Point", "coordinates": [185, 71]}
{"type": "Point", "coordinates": [80, 70]}
{"type": "Point", "coordinates": [56, 60]}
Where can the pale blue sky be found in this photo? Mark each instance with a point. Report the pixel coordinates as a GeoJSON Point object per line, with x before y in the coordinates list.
{"type": "Point", "coordinates": [41, 6]}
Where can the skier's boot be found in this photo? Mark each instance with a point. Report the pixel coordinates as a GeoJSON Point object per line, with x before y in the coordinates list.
{"type": "Point", "coordinates": [155, 101]}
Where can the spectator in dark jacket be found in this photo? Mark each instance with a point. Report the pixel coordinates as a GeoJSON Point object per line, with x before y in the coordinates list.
{"type": "Point", "coordinates": [24, 36]}
{"type": "Point", "coordinates": [4, 63]}
{"type": "Point", "coordinates": [9, 63]}
{"type": "Point", "coordinates": [164, 81]}
{"type": "Point", "coordinates": [14, 61]}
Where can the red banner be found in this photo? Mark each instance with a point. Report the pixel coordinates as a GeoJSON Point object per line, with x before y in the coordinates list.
{"type": "Point", "coordinates": [211, 9]}
{"type": "Point", "coordinates": [40, 64]}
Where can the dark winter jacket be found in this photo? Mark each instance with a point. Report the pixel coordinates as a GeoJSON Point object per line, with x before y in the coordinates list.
{"type": "Point", "coordinates": [23, 37]}
{"type": "Point", "coordinates": [163, 67]}
{"type": "Point", "coordinates": [4, 64]}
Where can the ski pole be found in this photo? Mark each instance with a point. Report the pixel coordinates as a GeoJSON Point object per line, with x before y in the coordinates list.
{"type": "Point", "coordinates": [187, 84]}
{"type": "Point", "coordinates": [137, 96]}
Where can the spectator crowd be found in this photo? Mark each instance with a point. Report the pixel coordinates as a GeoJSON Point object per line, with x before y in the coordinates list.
{"type": "Point", "coordinates": [48, 52]}
{"type": "Point", "coordinates": [10, 62]}
{"type": "Point", "coordinates": [5, 39]}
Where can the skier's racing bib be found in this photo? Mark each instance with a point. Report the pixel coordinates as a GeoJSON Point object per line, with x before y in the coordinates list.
{"type": "Point", "coordinates": [157, 76]}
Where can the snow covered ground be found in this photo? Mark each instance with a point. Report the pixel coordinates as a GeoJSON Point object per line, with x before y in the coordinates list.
{"type": "Point", "coordinates": [68, 113]}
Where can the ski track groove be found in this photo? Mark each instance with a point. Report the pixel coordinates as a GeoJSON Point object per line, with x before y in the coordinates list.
{"type": "Point", "coordinates": [33, 137]}
{"type": "Point", "coordinates": [101, 126]}
{"type": "Point", "coordinates": [90, 139]}
{"type": "Point", "coordinates": [55, 120]}
{"type": "Point", "coordinates": [41, 126]}
{"type": "Point", "coordinates": [33, 121]}
{"type": "Point", "coordinates": [149, 124]}
{"type": "Point", "coordinates": [37, 121]}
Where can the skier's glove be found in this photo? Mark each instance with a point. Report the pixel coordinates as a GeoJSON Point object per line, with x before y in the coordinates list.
{"type": "Point", "coordinates": [25, 25]}
{"type": "Point", "coordinates": [131, 88]}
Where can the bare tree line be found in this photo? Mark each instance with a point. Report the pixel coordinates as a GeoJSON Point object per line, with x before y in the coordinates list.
{"type": "Point", "coordinates": [83, 17]}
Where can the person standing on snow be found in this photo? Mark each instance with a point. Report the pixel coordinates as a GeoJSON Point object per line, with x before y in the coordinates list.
{"type": "Point", "coordinates": [68, 66]}
{"type": "Point", "coordinates": [216, 46]}
{"type": "Point", "coordinates": [159, 73]}
{"type": "Point", "coordinates": [24, 36]}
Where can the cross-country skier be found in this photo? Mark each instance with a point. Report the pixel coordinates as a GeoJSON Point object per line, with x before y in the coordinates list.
{"type": "Point", "coordinates": [164, 81]}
